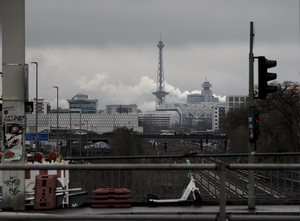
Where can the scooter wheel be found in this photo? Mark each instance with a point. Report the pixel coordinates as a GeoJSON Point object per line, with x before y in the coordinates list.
{"type": "Point", "coordinates": [153, 197]}
{"type": "Point", "coordinates": [198, 197]}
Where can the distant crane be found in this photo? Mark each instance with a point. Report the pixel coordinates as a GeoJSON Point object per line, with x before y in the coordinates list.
{"type": "Point", "coordinates": [160, 92]}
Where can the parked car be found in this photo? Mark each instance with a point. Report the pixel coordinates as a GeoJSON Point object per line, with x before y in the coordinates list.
{"type": "Point", "coordinates": [92, 133]}
{"type": "Point", "coordinates": [108, 133]}
{"type": "Point", "coordinates": [80, 133]}
{"type": "Point", "coordinates": [167, 134]}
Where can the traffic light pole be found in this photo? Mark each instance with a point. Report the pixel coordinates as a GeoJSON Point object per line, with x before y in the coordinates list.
{"type": "Point", "coordinates": [251, 190]}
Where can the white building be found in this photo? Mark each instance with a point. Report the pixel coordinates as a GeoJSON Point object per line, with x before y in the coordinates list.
{"type": "Point", "coordinates": [218, 110]}
{"type": "Point", "coordinates": [42, 106]}
{"type": "Point", "coordinates": [163, 119]}
{"type": "Point", "coordinates": [233, 101]}
{"type": "Point", "coordinates": [167, 115]}
{"type": "Point", "coordinates": [99, 123]}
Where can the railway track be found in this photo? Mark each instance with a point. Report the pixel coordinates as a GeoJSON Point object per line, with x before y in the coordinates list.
{"type": "Point", "coordinates": [262, 187]}
{"type": "Point", "coordinates": [212, 180]}
{"type": "Point", "coordinates": [267, 184]}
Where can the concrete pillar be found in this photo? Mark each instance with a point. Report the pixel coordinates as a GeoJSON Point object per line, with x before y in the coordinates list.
{"type": "Point", "coordinates": [14, 95]}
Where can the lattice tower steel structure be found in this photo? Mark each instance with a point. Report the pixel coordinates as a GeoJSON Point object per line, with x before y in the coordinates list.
{"type": "Point", "coordinates": [160, 92]}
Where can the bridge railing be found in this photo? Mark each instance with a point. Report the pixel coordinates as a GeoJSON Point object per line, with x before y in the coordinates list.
{"type": "Point", "coordinates": [271, 184]}
{"type": "Point", "coordinates": [274, 185]}
{"type": "Point", "coordinates": [220, 167]}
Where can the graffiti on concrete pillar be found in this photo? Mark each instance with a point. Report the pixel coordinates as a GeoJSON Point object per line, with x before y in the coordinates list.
{"type": "Point", "coordinates": [14, 118]}
{"type": "Point", "coordinates": [11, 108]}
{"type": "Point", "coordinates": [13, 185]}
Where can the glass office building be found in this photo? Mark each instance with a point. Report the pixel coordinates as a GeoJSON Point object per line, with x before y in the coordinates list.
{"type": "Point", "coordinates": [81, 104]}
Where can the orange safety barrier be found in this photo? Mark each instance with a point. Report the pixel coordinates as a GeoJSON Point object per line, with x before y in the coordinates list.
{"type": "Point", "coordinates": [39, 157]}
{"type": "Point", "coordinates": [45, 192]}
{"type": "Point", "coordinates": [54, 156]}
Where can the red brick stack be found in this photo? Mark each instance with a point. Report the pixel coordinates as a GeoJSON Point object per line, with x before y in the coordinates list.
{"type": "Point", "coordinates": [111, 197]}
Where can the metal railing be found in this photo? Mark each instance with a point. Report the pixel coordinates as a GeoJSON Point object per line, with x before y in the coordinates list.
{"type": "Point", "coordinates": [222, 167]}
{"type": "Point", "coordinates": [273, 184]}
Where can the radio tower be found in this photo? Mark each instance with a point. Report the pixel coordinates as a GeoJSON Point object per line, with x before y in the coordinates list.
{"type": "Point", "coordinates": [160, 92]}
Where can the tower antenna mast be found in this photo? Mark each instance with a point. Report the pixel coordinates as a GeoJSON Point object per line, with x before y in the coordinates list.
{"type": "Point", "coordinates": [160, 92]}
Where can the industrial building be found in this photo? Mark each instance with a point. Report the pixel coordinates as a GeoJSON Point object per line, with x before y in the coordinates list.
{"type": "Point", "coordinates": [99, 123]}
{"type": "Point", "coordinates": [114, 116]}
{"type": "Point", "coordinates": [185, 115]}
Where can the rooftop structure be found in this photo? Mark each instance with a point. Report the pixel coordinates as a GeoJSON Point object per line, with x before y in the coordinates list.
{"type": "Point", "coordinates": [81, 104]}
{"type": "Point", "coordinates": [205, 96]}
{"type": "Point", "coordinates": [121, 109]}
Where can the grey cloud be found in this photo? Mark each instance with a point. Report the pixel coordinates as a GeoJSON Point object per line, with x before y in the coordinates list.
{"type": "Point", "coordinates": [203, 38]}
{"type": "Point", "coordinates": [96, 23]}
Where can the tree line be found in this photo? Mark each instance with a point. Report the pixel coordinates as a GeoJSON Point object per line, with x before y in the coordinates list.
{"type": "Point", "coordinates": [278, 122]}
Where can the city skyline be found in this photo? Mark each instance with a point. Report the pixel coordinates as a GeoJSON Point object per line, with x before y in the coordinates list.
{"type": "Point", "coordinates": [108, 49]}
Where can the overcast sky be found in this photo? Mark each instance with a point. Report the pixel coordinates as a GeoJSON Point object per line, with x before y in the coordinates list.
{"type": "Point", "coordinates": [107, 49]}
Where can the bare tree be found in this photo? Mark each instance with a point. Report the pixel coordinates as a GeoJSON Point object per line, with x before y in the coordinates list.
{"type": "Point", "coordinates": [279, 118]}
{"type": "Point", "coordinates": [235, 125]}
{"type": "Point", "coordinates": [125, 142]}
{"type": "Point", "coordinates": [278, 121]}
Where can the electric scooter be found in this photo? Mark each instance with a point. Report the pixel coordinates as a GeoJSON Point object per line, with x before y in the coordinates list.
{"type": "Point", "coordinates": [154, 199]}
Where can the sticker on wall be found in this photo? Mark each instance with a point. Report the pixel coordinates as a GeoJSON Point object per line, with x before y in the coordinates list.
{"type": "Point", "coordinates": [14, 135]}
{"type": "Point", "coordinates": [15, 155]}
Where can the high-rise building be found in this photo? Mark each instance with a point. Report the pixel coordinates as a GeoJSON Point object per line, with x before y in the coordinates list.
{"type": "Point", "coordinates": [205, 96]}
{"type": "Point", "coordinates": [40, 106]}
{"type": "Point", "coordinates": [81, 104]}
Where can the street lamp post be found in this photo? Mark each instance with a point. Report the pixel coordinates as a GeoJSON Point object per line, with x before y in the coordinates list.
{"type": "Point", "coordinates": [80, 126]}
{"type": "Point", "coordinates": [70, 133]}
{"type": "Point", "coordinates": [87, 134]}
{"type": "Point", "coordinates": [56, 120]}
{"type": "Point", "coordinates": [36, 108]}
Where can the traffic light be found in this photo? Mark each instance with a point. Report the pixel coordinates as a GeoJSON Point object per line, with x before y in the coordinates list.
{"type": "Point", "coordinates": [264, 77]}
{"type": "Point", "coordinates": [256, 124]}
{"type": "Point", "coordinates": [253, 124]}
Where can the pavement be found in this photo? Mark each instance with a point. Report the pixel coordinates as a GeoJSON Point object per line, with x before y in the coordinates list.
{"type": "Point", "coordinates": [238, 212]}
